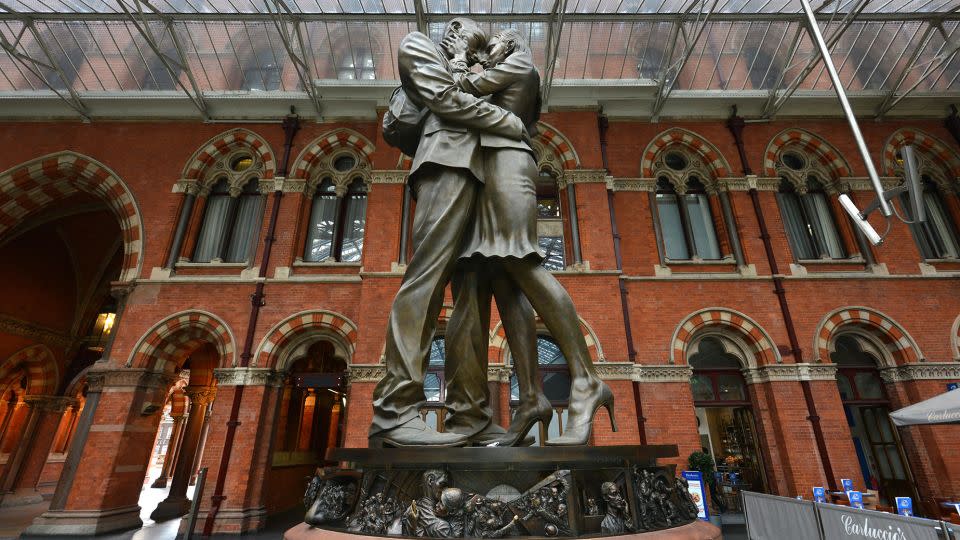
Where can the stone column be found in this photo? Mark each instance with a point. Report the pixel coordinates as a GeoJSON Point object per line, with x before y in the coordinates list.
{"type": "Point", "coordinates": [176, 504]}
{"type": "Point", "coordinates": [195, 468]}
{"type": "Point", "coordinates": [168, 460]}
{"type": "Point", "coordinates": [23, 471]}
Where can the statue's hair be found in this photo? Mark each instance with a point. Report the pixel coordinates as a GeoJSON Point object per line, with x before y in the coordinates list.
{"type": "Point", "coordinates": [514, 36]}
{"type": "Point", "coordinates": [468, 24]}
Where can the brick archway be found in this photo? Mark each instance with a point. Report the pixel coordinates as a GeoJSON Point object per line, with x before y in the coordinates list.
{"type": "Point", "coordinates": [927, 143]}
{"type": "Point", "coordinates": [555, 142]}
{"type": "Point", "coordinates": [758, 342]}
{"type": "Point", "coordinates": [29, 187]}
{"type": "Point", "coordinates": [955, 339]}
{"type": "Point", "coordinates": [165, 345]}
{"type": "Point", "coordinates": [40, 366]}
{"type": "Point", "coordinates": [497, 348]}
{"type": "Point", "coordinates": [286, 331]}
{"type": "Point", "coordinates": [902, 347]}
{"type": "Point", "coordinates": [817, 146]}
{"type": "Point", "coordinates": [227, 142]}
{"type": "Point", "coordinates": [327, 144]}
{"type": "Point", "coordinates": [711, 156]}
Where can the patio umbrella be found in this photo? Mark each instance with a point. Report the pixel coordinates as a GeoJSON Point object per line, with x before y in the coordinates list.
{"type": "Point", "coordinates": [942, 409]}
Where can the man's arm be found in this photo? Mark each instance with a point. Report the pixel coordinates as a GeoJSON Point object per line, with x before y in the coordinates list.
{"type": "Point", "coordinates": [497, 78]}
{"type": "Point", "coordinates": [424, 75]}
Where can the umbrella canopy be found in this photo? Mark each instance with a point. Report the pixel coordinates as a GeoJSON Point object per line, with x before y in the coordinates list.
{"type": "Point", "coordinates": [942, 409]}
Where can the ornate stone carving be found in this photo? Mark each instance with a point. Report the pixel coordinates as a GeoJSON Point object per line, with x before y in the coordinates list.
{"type": "Point", "coordinates": [615, 371]}
{"type": "Point", "coordinates": [55, 404]}
{"type": "Point", "coordinates": [248, 377]}
{"type": "Point", "coordinates": [584, 176]}
{"type": "Point", "coordinates": [389, 177]}
{"type": "Point", "coordinates": [632, 184]}
{"type": "Point", "coordinates": [33, 331]}
{"type": "Point", "coordinates": [923, 371]}
{"type": "Point", "coordinates": [662, 373]}
{"type": "Point", "coordinates": [200, 395]}
{"type": "Point", "coordinates": [499, 373]}
{"type": "Point", "coordinates": [187, 187]}
{"type": "Point", "coordinates": [734, 183]}
{"type": "Point", "coordinates": [365, 373]}
{"type": "Point", "coordinates": [132, 378]}
{"type": "Point", "coordinates": [294, 185]}
{"type": "Point", "coordinates": [791, 372]}
{"type": "Point", "coordinates": [761, 183]}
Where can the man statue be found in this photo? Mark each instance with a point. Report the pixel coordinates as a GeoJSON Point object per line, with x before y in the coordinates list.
{"type": "Point", "coordinates": [445, 177]}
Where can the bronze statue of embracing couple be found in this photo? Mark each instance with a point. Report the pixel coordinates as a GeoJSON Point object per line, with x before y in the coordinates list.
{"type": "Point", "coordinates": [473, 177]}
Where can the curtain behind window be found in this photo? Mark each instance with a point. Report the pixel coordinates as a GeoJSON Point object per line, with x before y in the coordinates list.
{"type": "Point", "coordinates": [214, 226]}
{"type": "Point", "coordinates": [246, 223]}
{"type": "Point", "coordinates": [701, 223]}
{"type": "Point", "coordinates": [822, 226]}
{"type": "Point", "coordinates": [793, 221]}
{"type": "Point", "coordinates": [671, 227]}
{"type": "Point", "coordinates": [323, 217]}
{"type": "Point", "coordinates": [938, 227]}
{"type": "Point", "coordinates": [354, 225]}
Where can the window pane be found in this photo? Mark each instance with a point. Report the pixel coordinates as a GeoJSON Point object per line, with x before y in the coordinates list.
{"type": "Point", "coordinates": [821, 225]}
{"type": "Point", "coordinates": [702, 388]}
{"type": "Point", "coordinates": [731, 387]}
{"type": "Point", "coordinates": [548, 208]}
{"type": "Point", "coordinates": [214, 228]}
{"type": "Point", "coordinates": [868, 385]}
{"type": "Point", "coordinates": [552, 247]}
{"type": "Point", "coordinates": [433, 419]}
{"type": "Point", "coordinates": [701, 224]}
{"type": "Point", "coordinates": [843, 384]}
{"type": "Point", "coordinates": [938, 227]}
{"type": "Point", "coordinates": [514, 388]}
{"type": "Point", "coordinates": [797, 229]}
{"type": "Point", "coordinates": [354, 225]}
{"type": "Point", "coordinates": [556, 386]}
{"type": "Point", "coordinates": [671, 227]}
{"type": "Point", "coordinates": [438, 352]}
{"type": "Point", "coordinates": [249, 213]}
{"type": "Point", "coordinates": [320, 231]}
{"type": "Point", "coordinates": [548, 352]}
{"type": "Point", "coordinates": [431, 387]}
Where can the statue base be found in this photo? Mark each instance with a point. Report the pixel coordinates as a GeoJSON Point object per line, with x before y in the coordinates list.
{"type": "Point", "coordinates": [500, 492]}
{"type": "Point", "coordinates": [699, 530]}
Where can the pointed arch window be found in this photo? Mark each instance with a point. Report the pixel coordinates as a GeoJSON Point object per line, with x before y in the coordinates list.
{"type": "Point", "coordinates": [230, 219]}
{"type": "Point", "coordinates": [937, 236]}
{"type": "Point", "coordinates": [337, 224]}
{"type": "Point", "coordinates": [686, 221]}
{"type": "Point", "coordinates": [807, 213]}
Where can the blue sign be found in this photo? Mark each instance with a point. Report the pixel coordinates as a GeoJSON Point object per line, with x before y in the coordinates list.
{"type": "Point", "coordinates": [905, 506]}
{"type": "Point", "coordinates": [952, 386]}
{"type": "Point", "coordinates": [697, 493]}
{"type": "Point", "coordinates": [819, 495]}
{"type": "Point", "coordinates": [847, 484]}
{"type": "Point", "coordinates": [856, 499]}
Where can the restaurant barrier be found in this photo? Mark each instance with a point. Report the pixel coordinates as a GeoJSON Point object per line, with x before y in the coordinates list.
{"type": "Point", "coordinates": [769, 517]}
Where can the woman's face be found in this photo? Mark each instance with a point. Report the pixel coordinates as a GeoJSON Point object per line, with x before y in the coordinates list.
{"type": "Point", "coordinates": [497, 51]}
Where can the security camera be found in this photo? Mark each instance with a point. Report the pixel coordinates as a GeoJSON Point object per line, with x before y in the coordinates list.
{"type": "Point", "coordinates": [860, 220]}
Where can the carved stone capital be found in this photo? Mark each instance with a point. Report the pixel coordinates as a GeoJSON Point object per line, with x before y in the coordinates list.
{"type": "Point", "coordinates": [263, 186]}
{"type": "Point", "coordinates": [35, 332]}
{"type": "Point", "coordinates": [366, 373]}
{"type": "Point", "coordinates": [585, 176]}
{"type": "Point", "coordinates": [187, 187]}
{"type": "Point", "coordinates": [763, 183]}
{"type": "Point", "coordinates": [662, 373]}
{"type": "Point", "coordinates": [791, 373]}
{"type": "Point", "coordinates": [129, 378]}
{"type": "Point", "coordinates": [200, 395]}
{"type": "Point", "coordinates": [733, 183]}
{"type": "Point", "coordinates": [388, 177]}
{"type": "Point", "coordinates": [295, 185]}
{"type": "Point", "coordinates": [54, 404]}
{"type": "Point", "coordinates": [248, 377]}
{"type": "Point", "coordinates": [615, 371]}
{"type": "Point", "coordinates": [922, 371]}
{"type": "Point", "coordinates": [632, 184]}
{"type": "Point", "coordinates": [499, 373]}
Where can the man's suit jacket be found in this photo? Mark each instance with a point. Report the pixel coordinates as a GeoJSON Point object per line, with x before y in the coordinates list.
{"type": "Point", "coordinates": [451, 132]}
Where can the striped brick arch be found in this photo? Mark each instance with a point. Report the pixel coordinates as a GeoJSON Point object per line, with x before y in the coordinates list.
{"type": "Point", "coordinates": [497, 349]}
{"type": "Point", "coordinates": [326, 145]}
{"type": "Point", "coordinates": [812, 144]}
{"type": "Point", "coordinates": [955, 339]}
{"type": "Point", "coordinates": [901, 346]}
{"type": "Point", "coordinates": [28, 188]}
{"type": "Point", "coordinates": [165, 346]}
{"type": "Point", "coordinates": [40, 366]}
{"type": "Point", "coordinates": [227, 142]}
{"type": "Point", "coordinates": [759, 343]}
{"type": "Point", "coordinates": [925, 143]}
{"type": "Point", "coordinates": [713, 160]}
{"type": "Point", "coordinates": [552, 140]}
{"type": "Point", "coordinates": [304, 324]}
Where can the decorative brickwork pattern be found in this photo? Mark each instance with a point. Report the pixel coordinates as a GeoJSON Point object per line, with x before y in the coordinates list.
{"type": "Point", "coordinates": [27, 188]}
{"type": "Point", "coordinates": [555, 142]}
{"type": "Point", "coordinates": [305, 322]}
{"type": "Point", "coordinates": [901, 346]}
{"type": "Point", "coordinates": [712, 158]}
{"type": "Point", "coordinates": [326, 145]}
{"type": "Point", "coordinates": [227, 142]}
{"type": "Point", "coordinates": [40, 367]}
{"type": "Point", "coordinates": [760, 344]}
{"type": "Point", "coordinates": [498, 342]}
{"type": "Point", "coordinates": [810, 143]}
{"type": "Point", "coordinates": [925, 143]}
{"type": "Point", "coordinates": [167, 344]}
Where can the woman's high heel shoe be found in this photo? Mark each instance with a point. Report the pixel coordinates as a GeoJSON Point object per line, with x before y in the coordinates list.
{"type": "Point", "coordinates": [579, 429]}
{"type": "Point", "coordinates": [524, 419]}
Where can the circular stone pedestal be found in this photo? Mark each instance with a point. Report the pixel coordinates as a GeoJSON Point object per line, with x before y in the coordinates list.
{"type": "Point", "coordinates": [699, 530]}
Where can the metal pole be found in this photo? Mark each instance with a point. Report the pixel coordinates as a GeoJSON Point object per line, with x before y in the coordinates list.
{"type": "Point", "coordinates": [195, 504]}
{"type": "Point", "coordinates": [847, 110]}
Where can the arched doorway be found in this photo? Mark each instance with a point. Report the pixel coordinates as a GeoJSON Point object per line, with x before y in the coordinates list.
{"type": "Point", "coordinates": [725, 419]}
{"type": "Point", "coordinates": [311, 412]}
{"type": "Point", "coordinates": [867, 407]}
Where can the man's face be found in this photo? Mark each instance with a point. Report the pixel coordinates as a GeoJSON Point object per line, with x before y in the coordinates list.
{"type": "Point", "coordinates": [497, 51]}
{"type": "Point", "coordinates": [466, 30]}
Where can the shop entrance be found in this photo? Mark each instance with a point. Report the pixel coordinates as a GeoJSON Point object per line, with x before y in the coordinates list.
{"type": "Point", "coordinates": [725, 422]}
{"type": "Point", "coordinates": [867, 408]}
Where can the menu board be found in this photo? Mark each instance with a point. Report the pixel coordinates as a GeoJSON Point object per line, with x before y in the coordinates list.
{"type": "Point", "coordinates": [697, 493]}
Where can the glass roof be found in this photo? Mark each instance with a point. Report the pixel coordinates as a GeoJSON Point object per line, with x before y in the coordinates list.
{"type": "Point", "coordinates": [198, 46]}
